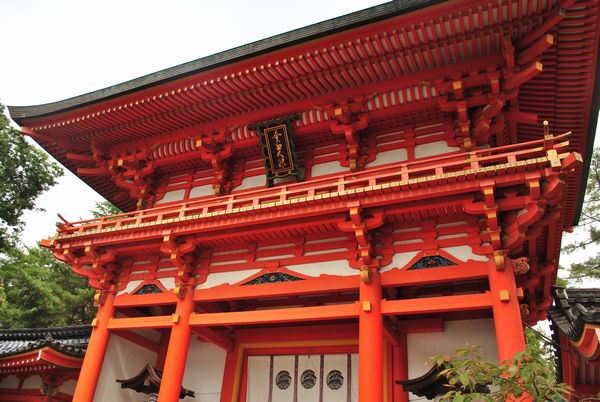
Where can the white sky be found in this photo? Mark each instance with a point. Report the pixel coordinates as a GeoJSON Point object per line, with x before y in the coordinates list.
{"type": "Point", "coordinates": [57, 49]}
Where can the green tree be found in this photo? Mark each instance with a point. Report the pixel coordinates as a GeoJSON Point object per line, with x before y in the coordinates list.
{"type": "Point", "coordinates": [532, 372]}
{"type": "Point", "coordinates": [25, 173]}
{"type": "Point", "coordinates": [39, 291]}
{"type": "Point", "coordinates": [589, 226]}
{"type": "Point", "coordinates": [105, 208]}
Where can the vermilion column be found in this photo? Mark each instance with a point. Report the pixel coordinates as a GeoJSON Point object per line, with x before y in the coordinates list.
{"type": "Point", "coordinates": [94, 356]}
{"type": "Point", "coordinates": [400, 369]}
{"type": "Point", "coordinates": [178, 349]}
{"type": "Point", "coordinates": [507, 316]}
{"type": "Point", "coordinates": [370, 341]}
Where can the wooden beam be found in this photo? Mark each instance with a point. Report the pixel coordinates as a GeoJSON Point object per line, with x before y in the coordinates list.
{"type": "Point", "coordinates": [322, 284]}
{"type": "Point", "coordinates": [156, 299]}
{"type": "Point", "coordinates": [277, 316]}
{"type": "Point", "coordinates": [421, 326]}
{"type": "Point", "coordinates": [462, 272]}
{"type": "Point", "coordinates": [440, 304]}
{"type": "Point", "coordinates": [214, 337]}
{"type": "Point", "coordinates": [120, 324]}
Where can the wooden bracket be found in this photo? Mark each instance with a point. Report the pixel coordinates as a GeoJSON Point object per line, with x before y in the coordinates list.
{"type": "Point", "coordinates": [182, 252]}
{"type": "Point", "coordinates": [350, 117]}
{"type": "Point", "coordinates": [216, 150]}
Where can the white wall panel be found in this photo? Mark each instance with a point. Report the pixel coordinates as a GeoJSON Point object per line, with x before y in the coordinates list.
{"type": "Point", "coordinates": [433, 148]}
{"type": "Point", "coordinates": [220, 278]}
{"type": "Point", "coordinates": [204, 370]}
{"type": "Point", "coordinates": [258, 378]}
{"type": "Point", "coordinates": [322, 169]}
{"type": "Point", "coordinates": [170, 196]}
{"type": "Point", "coordinates": [202, 191]}
{"type": "Point", "coordinates": [336, 267]}
{"type": "Point", "coordinates": [385, 157]}
{"type": "Point", "coordinates": [123, 360]}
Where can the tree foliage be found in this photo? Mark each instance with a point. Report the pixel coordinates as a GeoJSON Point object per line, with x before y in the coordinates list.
{"type": "Point", "coordinates": [532, 372]}
{"type": "Point", "coordinates": [25, 173]}
{"type": "Point", "coordinates": [589, 224]}
{"type": "Point", "coordinates": [36, 290]}
{"type": "Point", "coordinates": [105, 208]}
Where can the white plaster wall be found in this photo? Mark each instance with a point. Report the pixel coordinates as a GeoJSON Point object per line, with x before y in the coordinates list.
{"type": "Point", "coordinates": [204, 370]}
{"type": "Point", "coordinates": [321, 169]}
{"type": "Point", "coordinates": [399, 260]}
{"type": "Point", "coordinates": [123, 360]}
{"type": "Point", "coordinates": [220, 278]}
{"type": "Point", "coordinates": [394, 155]}
{"type": "Point", "coordinates": [433, 148]}
{"type": "Point", "coordinates": [252, 182]}
{"type": "Point", "coordinates": [457, 334]}
{"type": "Point", "coordinates": [168, 283]}
{"type": "Point", "coordinates": [68, 387]}
{"type": "Point", "coordinates": [201, 191]}
{"type": "Point", "coordinates": [336, 267]}
{"type": "Point", "coordinates": [10, 381]}
{"type": "Point", "coordinates": [464, 253]}
{"type": "Point", "coordinates": [131, 285]}
{"type": "Point", "coordinates": [171, 196]}
{"type": "Point", "coordinates": [34, 381]}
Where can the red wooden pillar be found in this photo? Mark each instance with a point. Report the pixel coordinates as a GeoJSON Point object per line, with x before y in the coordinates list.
{"type": "Point", "coordinates": [370, 341]}
{"type": "Point", "coordinates": [177, 351]}
{"type": "Point", "coordinates": [94, 356]}
{"type": "Point", "coordinates": [507, 316]}
{"type": "Point", "coordinates": [400, 367]}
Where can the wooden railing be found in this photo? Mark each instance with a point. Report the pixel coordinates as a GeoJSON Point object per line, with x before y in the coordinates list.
{"type": "Point", "coordinates": [460, 166]}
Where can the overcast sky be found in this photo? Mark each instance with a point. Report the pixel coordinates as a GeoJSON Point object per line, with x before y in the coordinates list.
{"type": "Point", "coordinates": [57, 49]}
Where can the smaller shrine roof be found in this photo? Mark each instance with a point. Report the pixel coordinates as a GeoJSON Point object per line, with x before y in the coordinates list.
{"type": "Point", "coordinates": [429, 385]}
{"type": "Point", "coordinates": [72, 341]}
{"type": "Point", "coordinates": [148, 380]}
{"type": "Point", "coordinates": [573, 309]}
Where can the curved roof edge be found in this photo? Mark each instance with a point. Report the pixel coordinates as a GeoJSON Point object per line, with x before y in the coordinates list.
{"type": "Point", "coordinates": [328, 27]}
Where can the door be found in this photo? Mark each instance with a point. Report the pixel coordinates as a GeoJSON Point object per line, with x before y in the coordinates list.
{"type": "Point", "coordinates": [303, 378]}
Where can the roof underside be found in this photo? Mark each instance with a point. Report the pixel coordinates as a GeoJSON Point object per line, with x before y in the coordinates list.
{"type": "Point", "coordinates": [387, 47]}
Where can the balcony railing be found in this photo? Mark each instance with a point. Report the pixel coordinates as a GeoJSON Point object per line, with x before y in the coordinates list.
{"type": "Point", "coordinates": [455, 167]}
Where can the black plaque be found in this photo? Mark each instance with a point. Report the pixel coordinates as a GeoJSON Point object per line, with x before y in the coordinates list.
{"type": "Point", "coordinates": [277, 141]}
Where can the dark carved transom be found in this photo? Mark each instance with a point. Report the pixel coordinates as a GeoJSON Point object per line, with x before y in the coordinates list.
{"type": "Point", "coordinates": [432, 261]}
{"type": "Point", "coordinates": [272, 277]}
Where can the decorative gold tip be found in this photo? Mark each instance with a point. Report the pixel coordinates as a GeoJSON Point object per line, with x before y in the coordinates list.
{"type": "Point", "coordinates": [499, 259]}
{"type": "Point", "coordinates": [94, 323]}
{"type": "Point", "coordinates": [365, 275]}
{"type": "Point", "coordinates": [456, 85]}
{"type": "Point", "coordinates": [366, 306]}
{"type": "Point", "coordinates": [504, 296]}
{"type": "Point", "coordinates": [175, 318]}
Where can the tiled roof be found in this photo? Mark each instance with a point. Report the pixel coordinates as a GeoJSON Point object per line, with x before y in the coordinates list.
{"type": "Point", "coordinates": [573, 308]}
{"type": "Point", "coordinates": [69, 340]}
